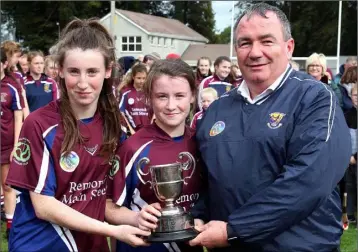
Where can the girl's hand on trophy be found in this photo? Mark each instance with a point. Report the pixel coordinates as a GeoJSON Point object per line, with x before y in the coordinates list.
{"type": "Point", "coordinates": [147, 218]}
{"type": "Point", "coordinates": [130, 235]}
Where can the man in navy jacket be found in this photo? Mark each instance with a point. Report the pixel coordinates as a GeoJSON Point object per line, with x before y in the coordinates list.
{"type": "Point", "coordinates": [274, 149]}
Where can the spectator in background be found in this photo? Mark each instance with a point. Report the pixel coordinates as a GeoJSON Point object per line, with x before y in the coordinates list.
{"type": "Point", "coordinates": [23, 64]}
{"type": "Point", "coordinates": [126, 63]}
{"type": "Point", "coordinates": [220, 79]}
{"type": "Point", "coordinates": [149, 59]}
{"type": "Point", "coordinates": [51, 67]}
{"type": "Point", "coordinates": [350, 61]}
{"type": "Point", "coordinates": [348, 81]}
{"type": "Point", "coordinates": [40, 89]}
{"type": "Point", "coordinates": [202, 69]}
{"type": "Point", "coordinates": [140, 58]}
{"type": "Point", "coordinates": [173, 56]}
{"type": "Point", "coordinates": [11, 122]}
{"type": "Point", "coordinates": [235, 76]}
{"type": "Point", "coordinates": [351, 173]}
{"type": "Point", "coordinates": [208, 95]}
{"type": "Point", "coordinates": [132, 101]}
{"type": "Point", "coordinates": [316, 66]}
{"type": "Point", "coordinates": [13, 52]}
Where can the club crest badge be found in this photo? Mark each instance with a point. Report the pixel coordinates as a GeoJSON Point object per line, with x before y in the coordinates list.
{"type": "Point", "coordinates": [228, 88]}
{"type": "Point", "coordinates": [275, 120]}
{"type": "Point", "coordinates": [47, 88]}
{"type": "Point", "coordinates": [130, 101]}
{"type": "Point", "coordinates": [115, 167]}
{"type": "Point", "coordinates": [69, 162]}
{"type": "Point", "coordinates": [217, 128]}
{"type": "Point", "coordinates": [22, 151]}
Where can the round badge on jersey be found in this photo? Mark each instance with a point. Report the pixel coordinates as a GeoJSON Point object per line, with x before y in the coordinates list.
{"type": "Point", "coordinates": [130, 101]}
{"type": "Point", "coordinates": [217, 128]}
{"type": "Point", "coordinates": [69, 162]}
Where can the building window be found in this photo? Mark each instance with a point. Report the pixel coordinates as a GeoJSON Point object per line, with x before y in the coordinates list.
{"type": "Point", "coordinates": [132, 44]}
{"type": "Point", "coordinates": [165, 42]}
{"type": "Point", "coordinates": [151, 40]}
{"type": "Point", "coordinates": [172, 42]}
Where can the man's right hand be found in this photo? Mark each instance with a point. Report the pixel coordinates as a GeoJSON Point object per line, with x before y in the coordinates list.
{"type": "Point", "coordinates": [130, 235]}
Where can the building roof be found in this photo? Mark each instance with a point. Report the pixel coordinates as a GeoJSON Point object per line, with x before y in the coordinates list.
{"type": "Point", "coordinates": [161, 26]}
{"type": "Point", "coordinates": [195, 51]}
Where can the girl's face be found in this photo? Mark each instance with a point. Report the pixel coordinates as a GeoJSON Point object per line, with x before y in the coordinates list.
{"type": "Point", "coordinates": [84, 73]}
{"type": "Point", "coordinates": [51, 70]}
{"type": "Point", "coordinates": [37, 65]}
{"type": "Point", "coordinates": [24, 64]}
{"type": "Point", "coordinates": [204, 66]}
{"type": "Point", "coordinates": [171, 98]}
{"type": "Point", "coordinates": [139, 80]}
{"type": "Point", "coordinates": [223, 69]}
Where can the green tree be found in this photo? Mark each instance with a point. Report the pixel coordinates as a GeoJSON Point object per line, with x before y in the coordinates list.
{"type": "Point", "coordinates": [197, 15]}
{"type": "Point", "coordinates": [224, 37]}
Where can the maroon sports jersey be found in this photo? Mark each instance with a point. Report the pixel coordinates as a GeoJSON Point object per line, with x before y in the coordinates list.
{"type": "Point", "coordinates": [79, 180]}
{"type": "Point", "coordinates": [10, 101]}
{"type": "Point", "coordinates": [160, 148]}
{"type": "Point", "coordinates": [197, 117]}
{"type": "Point", "coordinates": [133, 106]}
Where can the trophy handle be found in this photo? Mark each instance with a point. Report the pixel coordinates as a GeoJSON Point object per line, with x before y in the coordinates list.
{"type": "Point", "coordinates": [140, 173]}
{"type": "Point", "coordinates": [186, 165]}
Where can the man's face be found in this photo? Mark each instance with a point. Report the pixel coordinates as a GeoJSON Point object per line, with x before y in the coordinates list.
{"type": "Point", "coordinates": [261, 50]}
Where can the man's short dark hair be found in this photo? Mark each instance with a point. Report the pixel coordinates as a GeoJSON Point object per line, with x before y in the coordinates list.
{"type": "Point", "coordinates": [261, 9]}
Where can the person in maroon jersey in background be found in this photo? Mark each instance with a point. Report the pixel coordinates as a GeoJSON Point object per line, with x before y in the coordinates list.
{"type": "Point", "coordinates": [170, 89]}
{"type": "Point", "coordinates": [235, 77]}
{"type": "Point", "coordinates": [11, 122]}
{"type": "Point", "coordinates": [13, 52]}
{"type": "Point", "coordinates": [202, 70]}
{"type": "Point", "coordinates": [23, 64]}
{"type": "Point", "coordinates": [66, 150]}
{"type": "Point", "coordinates": [132, 104]}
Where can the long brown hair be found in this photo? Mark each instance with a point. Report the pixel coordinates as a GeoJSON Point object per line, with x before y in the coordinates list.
{"type": "Point", "coordinates": [89, 34]}
{"type": "Point", "coordinates": [128, 80]}
{"type": "Point", "coordinates": [198, 75]}
{"type": "Point", "coordinates": [172, 68]}
{"type": "Point", "coordinates": [349, 75]}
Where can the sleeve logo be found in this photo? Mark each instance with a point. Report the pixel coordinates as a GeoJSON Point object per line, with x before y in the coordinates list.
{"type": "Point", "coordinates": [22, 152]}
{"type": "Point", "coordinates": [275, 120]}
{"type": "Point", "coordinates": [115, 166]}
{"type": "Point", "coordinates": [69, 162]}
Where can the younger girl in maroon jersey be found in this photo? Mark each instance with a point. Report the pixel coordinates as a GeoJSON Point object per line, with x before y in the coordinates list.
{"type": "Point", "coordinates": [66, 150]}
{"type": "Point", "coordinates": [132, 104]}
{"type": "Point", "coordinates": [11, 122]}
{"type": "Point", "coordinates": [171, 90]}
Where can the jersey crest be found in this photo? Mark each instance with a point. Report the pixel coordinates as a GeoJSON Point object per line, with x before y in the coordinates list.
{"type": "Point", "coordinates": [217, 128]}
{"type": "Point", "coordinates": [275, 120]}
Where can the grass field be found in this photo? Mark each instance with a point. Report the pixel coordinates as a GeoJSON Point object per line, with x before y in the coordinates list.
{"type": "Point", "coordinates": [348, 244]}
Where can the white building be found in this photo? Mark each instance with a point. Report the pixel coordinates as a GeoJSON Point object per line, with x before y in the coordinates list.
{"type": "Point", "coordinates": [138, 33]}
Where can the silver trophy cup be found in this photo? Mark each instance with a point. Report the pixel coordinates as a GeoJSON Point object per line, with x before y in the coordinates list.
{"type": "Point", "coordinates": [167, 182]}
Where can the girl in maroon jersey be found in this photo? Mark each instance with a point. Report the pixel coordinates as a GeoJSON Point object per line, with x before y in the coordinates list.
{"type": "Point", "coordinates": [66, 150]}
{"type": "Point", "coordinates": [170, 90]}
{"type": "Point", "coordinates": [13, 52]}
{"type": "Point", "coordinates": [132, 104]}
{"type": "Point", "coordinates": [11, 122]}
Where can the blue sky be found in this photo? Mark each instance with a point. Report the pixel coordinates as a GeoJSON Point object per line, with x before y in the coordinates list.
{"type": "Point", "coordinates": [222, 14]}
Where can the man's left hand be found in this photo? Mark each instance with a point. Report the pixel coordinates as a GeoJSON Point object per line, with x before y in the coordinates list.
{"type": "Point", "coordinates": [213, 234]}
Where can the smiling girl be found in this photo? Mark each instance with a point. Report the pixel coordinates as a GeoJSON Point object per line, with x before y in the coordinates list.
{"type": "Point", "coordinates": [65, 152]}
{"type": "Point", "coordinates": [170, 89]}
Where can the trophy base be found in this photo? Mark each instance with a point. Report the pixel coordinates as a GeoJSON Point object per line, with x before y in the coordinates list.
{"type": "Point", "coordinates": [174, 236]}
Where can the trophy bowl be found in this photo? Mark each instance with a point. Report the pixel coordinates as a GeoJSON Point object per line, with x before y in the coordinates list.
{"type": "Point", "coordinates": [167, 182]}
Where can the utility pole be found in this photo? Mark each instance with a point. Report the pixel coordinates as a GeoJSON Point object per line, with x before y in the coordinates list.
{"type": "Point", "coordinates": [113, 13]}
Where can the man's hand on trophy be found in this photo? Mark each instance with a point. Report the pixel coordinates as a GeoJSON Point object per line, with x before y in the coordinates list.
{"type": "Point", "coordinates": [147, 218]}
{"type": "Point", "coordinates": [213, 234]}
{"type": "Point", "coordinates": [130, 235]}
